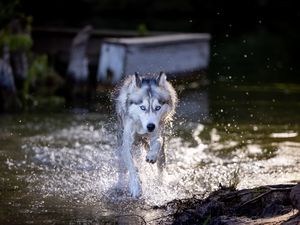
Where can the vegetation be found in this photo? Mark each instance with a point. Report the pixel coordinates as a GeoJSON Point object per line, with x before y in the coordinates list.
{"type": "Point", "coordinates": [15, 42]}
{"type": "Point", "coordinates": [142, 29]}
{"type": "Point", "coordinates": [41, 82]}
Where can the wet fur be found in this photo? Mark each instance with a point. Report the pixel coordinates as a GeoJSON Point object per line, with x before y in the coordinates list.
{"type": "Point", "coordinates": [141, 101]}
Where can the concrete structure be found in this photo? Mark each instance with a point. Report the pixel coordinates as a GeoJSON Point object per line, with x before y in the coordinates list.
{"type": "Point", "coordinates": [176, 54]}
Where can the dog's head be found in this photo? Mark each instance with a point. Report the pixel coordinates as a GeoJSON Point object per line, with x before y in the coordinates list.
{"type": "Point", "coordinates": [151, 100]}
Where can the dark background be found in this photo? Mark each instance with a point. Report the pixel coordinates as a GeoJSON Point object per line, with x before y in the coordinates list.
{"type": "Point", "coordinates": [185, 15]}
{"type": "Point", "coordinates": [254, 41]}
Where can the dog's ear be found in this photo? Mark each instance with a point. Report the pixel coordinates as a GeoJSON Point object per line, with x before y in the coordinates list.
{"type": "Point", "coordinates": [138, 80]}
{"type": "Point", "coordinates": [161, 79]}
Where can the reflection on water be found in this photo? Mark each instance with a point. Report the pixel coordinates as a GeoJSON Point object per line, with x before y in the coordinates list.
{"type": "Point", "coordinates": [63, 167]}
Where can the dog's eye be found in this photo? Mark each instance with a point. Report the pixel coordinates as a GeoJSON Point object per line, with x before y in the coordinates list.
{"type": "Point", "coordinates": [143, 107]}
{"type": "Point", "coordinates": [157, 108]}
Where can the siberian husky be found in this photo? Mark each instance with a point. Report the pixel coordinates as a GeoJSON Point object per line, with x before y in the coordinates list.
{"type": "Point", "coordinates": [144, 105]}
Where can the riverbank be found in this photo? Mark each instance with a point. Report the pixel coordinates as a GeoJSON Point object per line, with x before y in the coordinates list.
{"type": "Point", "coordinates": [274, 204]}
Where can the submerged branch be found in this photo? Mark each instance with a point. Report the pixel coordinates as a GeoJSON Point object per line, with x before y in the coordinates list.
{"type": "Point", "coordinates": [248, 206]}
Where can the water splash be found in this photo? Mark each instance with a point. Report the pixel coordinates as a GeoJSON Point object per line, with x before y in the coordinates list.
{"type": "Point", "coordinates": [75, 165]}
{"type": "Point", "coordinates": [81, 162]}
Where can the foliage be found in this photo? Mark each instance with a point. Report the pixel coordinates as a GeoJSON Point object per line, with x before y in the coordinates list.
{"type": "Point", "coordinates": [42, 78]}
{"type": "Point", "coordinates": [16, 41]}
{"type": "Point", "coordinates": [142, 29]}
{"type": "Point", "coordinates": [7, 10]}
{"type": "Point", "coordinates": [42, 82]}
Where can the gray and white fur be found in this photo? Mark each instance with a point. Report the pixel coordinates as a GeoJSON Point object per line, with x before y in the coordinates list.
{"type": "Point", "coordinates": [144, 105]}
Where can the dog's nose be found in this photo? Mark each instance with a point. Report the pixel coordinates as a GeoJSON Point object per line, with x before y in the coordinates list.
{"type": "Point", "coordinates": [150, 127]}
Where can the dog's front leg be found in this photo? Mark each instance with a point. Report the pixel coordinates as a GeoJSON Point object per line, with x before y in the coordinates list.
{"type": "Point", "coordinates": [127, 142]}
{"type": "Point", "coordinates": [156, 143]}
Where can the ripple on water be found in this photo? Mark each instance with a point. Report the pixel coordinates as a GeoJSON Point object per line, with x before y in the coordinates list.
{"type": "Point", "coordinates": [79, 164]}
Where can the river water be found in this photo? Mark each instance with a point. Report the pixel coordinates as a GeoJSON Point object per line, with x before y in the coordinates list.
{"type": "Point", "coordinates": [61, 168]}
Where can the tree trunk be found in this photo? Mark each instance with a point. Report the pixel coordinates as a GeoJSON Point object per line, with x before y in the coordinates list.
{"type": "Point", "coordinates": [78, 71]}
{"type": "Point", "coordinates": [18, 56]}
{"type": "Point", "coordinates": [8, 97]}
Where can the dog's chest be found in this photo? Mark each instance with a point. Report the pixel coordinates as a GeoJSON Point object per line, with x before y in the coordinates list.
{"type": "Point", "coordinates": [142, 140]}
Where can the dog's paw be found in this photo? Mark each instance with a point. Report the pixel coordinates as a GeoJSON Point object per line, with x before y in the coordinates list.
{"type": "Point", "coordinates": [135, 188]}
{"type": "Point", "coordinates": [151, 157]}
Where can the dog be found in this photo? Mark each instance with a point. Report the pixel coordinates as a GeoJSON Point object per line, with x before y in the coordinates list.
{"type": "Point", "coordinates": [145, 104]}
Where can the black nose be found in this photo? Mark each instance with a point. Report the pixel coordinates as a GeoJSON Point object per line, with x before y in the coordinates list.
{"type": "Point", "coordinates": [150, 127]}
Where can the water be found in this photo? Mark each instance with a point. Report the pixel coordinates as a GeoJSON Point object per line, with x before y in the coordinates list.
{"type": "Point", "coordinates": [62, 167]}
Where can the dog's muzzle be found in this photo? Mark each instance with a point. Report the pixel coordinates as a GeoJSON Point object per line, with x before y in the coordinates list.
{"type": "Point", "coordinates": [150, 127]}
